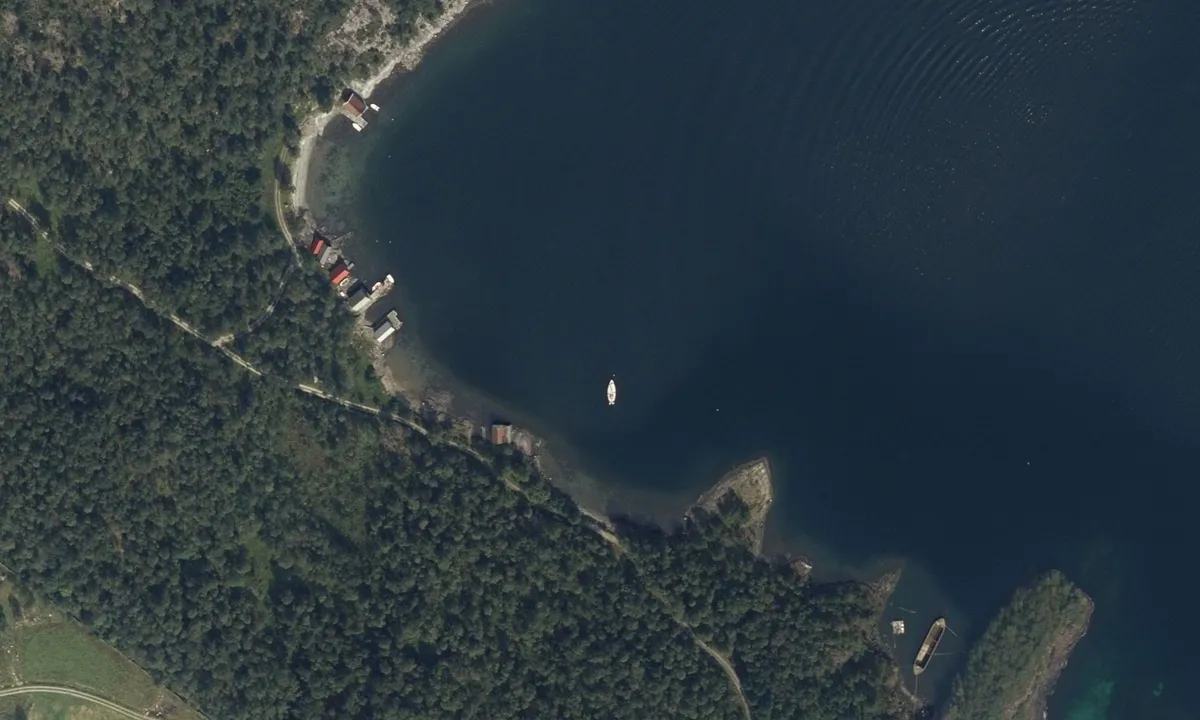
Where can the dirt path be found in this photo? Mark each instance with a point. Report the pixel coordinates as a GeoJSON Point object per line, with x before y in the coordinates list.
{"type": "Point", "coordinates": [602, 527]}
{"type": "Point", "coordinates": [76, 694]}
{"type": "Point", "coordinates": [728, 668]}
{"type": "Point", "coordinates": [292, 267]}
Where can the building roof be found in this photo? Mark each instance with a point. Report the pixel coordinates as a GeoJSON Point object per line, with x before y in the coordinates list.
{"type": "Point", "coordinates": [383, 332]}
{"type": "Point", "coordinates": [501, 433]}
{"type": "Point", "coordinates": [355, 104]}
{"type": "Point", "coordinates": [337, 276]}
{"type": "Point", "coordinates": [359, 299]}
{"type": "Point", "coordinates": [317, 246]}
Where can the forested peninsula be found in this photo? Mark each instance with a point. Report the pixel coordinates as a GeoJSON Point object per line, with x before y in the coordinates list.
{"type": "Point", "coordinates": [1011, 670]}
{"type": "Point", "coordinates": [197, 463]}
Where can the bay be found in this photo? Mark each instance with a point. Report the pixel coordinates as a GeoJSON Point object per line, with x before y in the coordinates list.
{"type": "Point", "coordinates": [935, 259]}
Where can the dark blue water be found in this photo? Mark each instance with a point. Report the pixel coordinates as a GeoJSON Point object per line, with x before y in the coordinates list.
{"type": "Point", "coordinates": [936, 258]}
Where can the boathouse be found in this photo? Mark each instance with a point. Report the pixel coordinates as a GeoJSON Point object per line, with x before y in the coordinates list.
{"type": "Point", "coordinates": [359, 300]}
{"type": "Point", "coordinates": [327, 256]}
{"type": "Point", "coordinates": [339, 273]}
{"type": "Point", "coordinates": [383, 331]}
{"type": "Point", "coordinates": [355, 108]}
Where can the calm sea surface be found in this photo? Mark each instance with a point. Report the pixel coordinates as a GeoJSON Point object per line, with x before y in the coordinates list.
{"type": "Point", "coordinates": [939, 259]}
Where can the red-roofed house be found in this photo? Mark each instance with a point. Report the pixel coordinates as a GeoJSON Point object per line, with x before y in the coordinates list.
{"type": "Point", "coordinates": [501, 433]}
{"type": "Point", "coordinates": [355, 105]}
{"type": "Point", "coordinates": [355, 108]}
{"type": "Point", "coordinates": [339, 273]}
{"type": "Point", "coordinates": [318, 244]}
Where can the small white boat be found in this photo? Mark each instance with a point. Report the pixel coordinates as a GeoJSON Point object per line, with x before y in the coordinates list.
{"type": "Point", "coordinates": [612, 391]}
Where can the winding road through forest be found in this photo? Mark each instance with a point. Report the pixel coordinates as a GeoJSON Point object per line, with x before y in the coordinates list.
{"type": "Point", "coordinates": [76, 694]}
{"type": "Point", "coordinates": [601, 526]}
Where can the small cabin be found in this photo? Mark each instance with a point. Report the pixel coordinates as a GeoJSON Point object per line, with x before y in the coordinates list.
{"type": "Point", "coordinates": [355, 108]}
{"type": "Point", "coordinates": [354, 105]}
{"type": "Point", "coordinates": [501, 433]}
{"type": "Point", "coordinates": [318, 245]}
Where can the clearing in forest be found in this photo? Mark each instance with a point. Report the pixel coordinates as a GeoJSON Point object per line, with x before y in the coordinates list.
{"type": "Point", "coordinates": [39, 645]}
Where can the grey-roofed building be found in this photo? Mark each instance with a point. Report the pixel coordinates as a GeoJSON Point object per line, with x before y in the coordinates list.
{"type": "Point", "coordinates": [383, 331]}
{"type": "Point", "coordinates": [327, 256]}
{"type": "Point", "coordinates": [359, 300]}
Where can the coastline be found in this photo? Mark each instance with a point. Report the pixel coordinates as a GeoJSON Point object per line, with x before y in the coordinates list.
{"type": "Point", "coordinates": [406, 56]}
{"type": "Point", "coordinates": [470, 415]}
{"type": "Point", "coordinates": [1035, 705]}
{"type": "Point", "coordinates": [426, 389]}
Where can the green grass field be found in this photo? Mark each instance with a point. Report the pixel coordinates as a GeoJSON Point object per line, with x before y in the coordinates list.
{"type": "Point", "coordinates": [41, 646]}
{"type": "Point", "coordinates": [48, 707]}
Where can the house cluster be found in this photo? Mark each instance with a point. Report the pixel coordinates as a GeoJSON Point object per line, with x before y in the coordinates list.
{"type": "Point", "coordinates": [355, 108]}
{"type": "Point", "coordinates": [358, 297]}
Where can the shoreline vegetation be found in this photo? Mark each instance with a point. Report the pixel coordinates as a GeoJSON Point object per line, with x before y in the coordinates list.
{"type": "Point", "coordinates": [285, 558]}
{"type": "Point", "coordinates": [255, 547]}
{"type": "Point", "coordinates": [741, 499]}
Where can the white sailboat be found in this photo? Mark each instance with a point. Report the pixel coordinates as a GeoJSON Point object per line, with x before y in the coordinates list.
{"type": "Point", "coordinates": [612, 391]}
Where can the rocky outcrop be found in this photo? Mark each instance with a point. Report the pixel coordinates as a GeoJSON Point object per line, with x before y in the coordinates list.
{"type": "Point", "coordinates": [751, 483]}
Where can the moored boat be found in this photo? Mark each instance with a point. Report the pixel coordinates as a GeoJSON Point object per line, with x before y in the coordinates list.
{"type": "Point", "coordinates": [612, 391]}
{"type": "Point", "coordinates": [932, 638]}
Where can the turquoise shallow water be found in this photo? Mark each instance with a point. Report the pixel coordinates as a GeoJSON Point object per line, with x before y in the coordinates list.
{"type": "Point", "coordinates": [934, 258]}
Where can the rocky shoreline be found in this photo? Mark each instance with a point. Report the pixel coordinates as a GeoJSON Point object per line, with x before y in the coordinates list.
{"type": "Point", "coordinates": [1033, 706]}
{"type": "Point", "coordinates": [355, 37]}
{"type": "Point", "coordinates": [396, 55]}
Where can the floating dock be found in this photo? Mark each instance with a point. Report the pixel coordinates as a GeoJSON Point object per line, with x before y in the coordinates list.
{"type": "Point", "coordinates": [381, 288]}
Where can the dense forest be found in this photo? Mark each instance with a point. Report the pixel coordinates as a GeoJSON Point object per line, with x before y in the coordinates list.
{"type": "Point", "coordinates": [147, 133]}
{"type": "Point", "coordinates": [783, 634]}
{"type": "Point", "coordinates": [266, 554]}
{"type": "Point", "coordinates": [1019, 651]}
{"type": "Point", "coordinates": [310, 338]}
